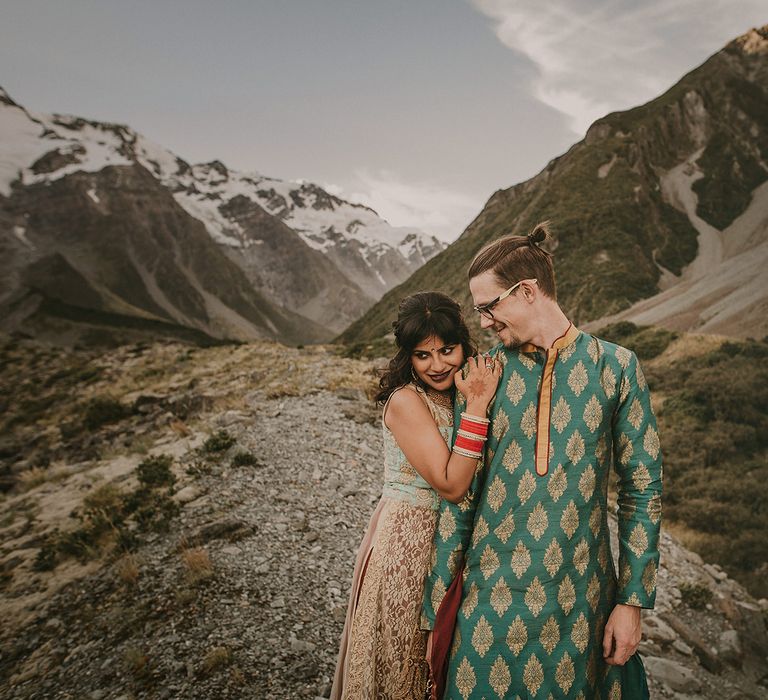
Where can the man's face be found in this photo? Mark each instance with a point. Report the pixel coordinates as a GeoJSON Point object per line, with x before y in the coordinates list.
{"type": "Point", "coordinates": [511, 316]}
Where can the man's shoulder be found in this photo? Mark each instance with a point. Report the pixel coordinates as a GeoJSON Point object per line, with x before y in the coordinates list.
{"type": "Point", "coordinates": [613, 352]}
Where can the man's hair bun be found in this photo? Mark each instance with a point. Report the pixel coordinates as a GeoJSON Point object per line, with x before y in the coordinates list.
{"type": "Point", "coordinates": [540, 233]}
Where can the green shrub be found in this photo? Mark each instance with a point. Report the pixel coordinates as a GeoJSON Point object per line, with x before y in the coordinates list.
{"type": "Point", "coordinates": [103, 410]}
{"type": "Point", "coordinates": [219, 442]}
{"type": "Point", "coordinates": [156, 471]}
{"type": "Point", "coordinates": [244, 459]}
{"type": "Point", "coordinates": [695, 595]}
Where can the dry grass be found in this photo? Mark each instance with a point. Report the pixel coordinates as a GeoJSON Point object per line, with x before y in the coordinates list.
{"type": "Point", "coordinates": [215, 659]}
{"type": "Point", "coordinates": [197, 564]}
{"type": "Point", "coordinates": [136, 661]}
{"type": "Point", "coordinates": [127, 569]}
{"type": "Point", "coordinates": [236, 676]}
{"type": "Point", "coordinates": [36, 476]}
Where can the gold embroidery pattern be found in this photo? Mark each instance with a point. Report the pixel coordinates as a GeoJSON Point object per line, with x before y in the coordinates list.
{"type": "Point", "coordinates": [480, 532]}
{"type": "Point", "coordinates": [565, 673]}
{"type": "Point", "coordinates": [636, 414]}
{"type": "Point", "coordinates": [581, 557]}
{"type": "Point", "coordinates": [593, 414]}
{"type": "Point", "coordinates": [517, 636]}
{"type": "Point", "coordinates": [593, 592]}
{"type": "Point", "coordinates": [550, 634]}
{"type": "Point", "coordinates": [641, 478]}
{"type": "Point", "coordinates": [580, 633]}
{"type": "Point", "coordinates": [595, 350]}
{"type": "Point", "coordinates": [535, 597]}
{"type": "Point", "coordinates": [447, 525]}
{"type": "Point", "coordinates": [438, 593]}
{"type": "Point", "coordinates": [526, 487]}
{"type": "Point", "coordinates": [470, 601]}
{"type": "Point", "coordinates": [649, 577]}
{"type": "Point", "coordinates": [587, 483]}
{"type": "Point", "coordinates": [506, 527]}
{"type": "Point", "coordinates": [482, 637]}
{"type": "Point", "coordinates": [596, 520]}
{"type": "Point", "coordinates": [569, 522]}
{"type": "Point", "coordinates": [638, 540]}
{"type": "Point", "coordinates": [608, 382]}
{"type": "Point", "coordinates": [497, 492]}
{"type": "Point", "coordinates": [578, 378]}
{"type": "Point", "coordinates": [651, 442]}
{"type": "Point", "coordinates": [528, 421]}
{"type": "Point", "coordinates": [575, 448]}
{"type": "Point", "coordinates": [561, 415]}
{"type": "Point", "coordinates": [623, 356]}
{"type": "Point", "coordinates": [558, 483]}
{"type": "Point", "coordinates": [538, 522]}
{"type": "Point", "coordinates": [500, 677]}
{"type": "Point", "coordinates": [500, 424]}
{"type": "Point", "coordinates": [654, 508]}
{"type": "Point", "coordinates": [533, 675]}
{"type": "Point", "coordinates": [501, 597]}
{"type": "Point", "coordinates": [521, 559]}
{"type": "Point", "coordinates": [489, 562]}
{"type": "Point", "coordinates": [526, 361]}
{"type": "Point", "coordinates": [515, 388]}
{"type": "Point", "coordinates": [465, 678]}
{"type": "Point", "coordinates": [553, 558]}
{"type": "Point", "coordinates": [386, 645]}
{"type": "Point", "coordinates": [512, 457]}
{"type": "Point", "coordinates": [566, 595]}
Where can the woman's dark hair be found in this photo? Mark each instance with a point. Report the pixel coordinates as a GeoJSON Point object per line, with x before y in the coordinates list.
{"type": "Point", "coordinates": [420, 316]}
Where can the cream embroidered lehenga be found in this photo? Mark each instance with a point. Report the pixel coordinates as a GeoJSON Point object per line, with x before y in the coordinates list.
{"type": "Point", "coordinates": [381, 656]}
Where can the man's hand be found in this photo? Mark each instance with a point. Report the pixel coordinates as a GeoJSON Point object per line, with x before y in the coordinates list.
{"type": "Point", "coordinates": [622, 634]}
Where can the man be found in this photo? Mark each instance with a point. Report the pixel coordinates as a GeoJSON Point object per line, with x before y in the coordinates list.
{"type": "Point", "coordinates": [543, 613]}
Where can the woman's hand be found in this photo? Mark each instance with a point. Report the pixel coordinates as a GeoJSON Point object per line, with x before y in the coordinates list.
{"type": "Point", "coordinates": [479, 385]}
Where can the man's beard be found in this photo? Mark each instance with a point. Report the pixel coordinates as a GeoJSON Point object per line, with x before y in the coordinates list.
{"type": "Point", "coordinates": [510, 340]}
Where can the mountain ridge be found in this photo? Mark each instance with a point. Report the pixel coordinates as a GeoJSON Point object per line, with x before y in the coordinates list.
{"type": "Point", "coordinates": [616, 236]}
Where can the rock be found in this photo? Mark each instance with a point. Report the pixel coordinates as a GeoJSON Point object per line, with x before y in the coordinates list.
{"type": "Point", "coordinates": [231, 529]}
{"type": "Point", "coordinates": [680, 646]}
{"type": "Point", "coordinates": [672, 674]}
{"type": "Point", "coordinates": [301, 647]}
{"type": "Point", "coordinates": [729, 648]}
{"type": "Point", "coordinates": [707, 657]}
{"type": "Point", "coordinates": [658, 631]}
{"type": "Point", "coordinates": [187, 494]}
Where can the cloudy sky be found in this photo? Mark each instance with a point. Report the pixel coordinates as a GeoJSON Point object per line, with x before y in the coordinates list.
{"type": "Point", "coordinates": [419, 108]}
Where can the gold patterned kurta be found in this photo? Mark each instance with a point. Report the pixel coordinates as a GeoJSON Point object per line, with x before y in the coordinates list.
{"type": "Point", "coordinates": [382, 654]}
{"type": "Point", "coordinates": [539, 580]}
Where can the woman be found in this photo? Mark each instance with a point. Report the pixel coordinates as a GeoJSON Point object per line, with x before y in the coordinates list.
{"type": "Point", "coordinates": [382, 653]}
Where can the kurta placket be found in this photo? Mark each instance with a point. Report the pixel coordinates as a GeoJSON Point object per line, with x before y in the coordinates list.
{"type": "Point", "coordinates": [544, 407]}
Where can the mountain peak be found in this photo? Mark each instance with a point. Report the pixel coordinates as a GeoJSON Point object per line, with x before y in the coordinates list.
{"type": "Point", "coordinates": [754, 41]}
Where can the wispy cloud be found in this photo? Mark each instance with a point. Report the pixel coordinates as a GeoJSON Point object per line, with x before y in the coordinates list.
{"type": "Point", "coordinates": [605, 55]}
{"type": "Point", "coordinates": [434, 209]}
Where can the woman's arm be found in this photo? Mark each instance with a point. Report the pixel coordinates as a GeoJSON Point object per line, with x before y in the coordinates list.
{"type": "Point", "coordinates": [414, 429]}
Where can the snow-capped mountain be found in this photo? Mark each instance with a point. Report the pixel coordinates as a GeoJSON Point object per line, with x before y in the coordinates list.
{"type": "Point", "coordinates": [302, 250]}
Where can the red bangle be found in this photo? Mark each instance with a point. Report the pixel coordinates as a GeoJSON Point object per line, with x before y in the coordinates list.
{"type": "Point", "coordinates": [468, 444]}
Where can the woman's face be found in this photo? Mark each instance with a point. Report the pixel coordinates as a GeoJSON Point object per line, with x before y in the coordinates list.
{"type": "Point", "coordinates": [436, 362]}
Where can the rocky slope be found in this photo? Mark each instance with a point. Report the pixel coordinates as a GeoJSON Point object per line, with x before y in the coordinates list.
{"type": "Point", "coordinates": [289, 261]}
{"type": "Point", "coordinates": [204, 564]}
{"type": "Point", "coordinates": [668, 197]}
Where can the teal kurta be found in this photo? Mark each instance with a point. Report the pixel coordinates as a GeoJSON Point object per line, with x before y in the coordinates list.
{"type": "Point", "coordinates": [539, 580]}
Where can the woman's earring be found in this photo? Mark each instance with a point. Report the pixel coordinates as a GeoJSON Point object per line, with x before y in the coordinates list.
{"type": "Point", "coordinates": [413, 374]}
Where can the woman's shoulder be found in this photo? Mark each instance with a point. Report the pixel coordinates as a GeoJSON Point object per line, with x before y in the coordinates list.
{"type": "Point", "coordinates": [405, 402]}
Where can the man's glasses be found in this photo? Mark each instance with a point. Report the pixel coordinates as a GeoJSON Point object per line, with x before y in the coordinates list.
{"type": "Point", "coordinates": [486, 309]}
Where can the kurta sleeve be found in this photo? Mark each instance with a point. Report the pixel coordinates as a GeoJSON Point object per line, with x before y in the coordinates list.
{"type": "Point", "coordinates": [637, 461]}
{"type": "Point", "coordinates": [452, 536]}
